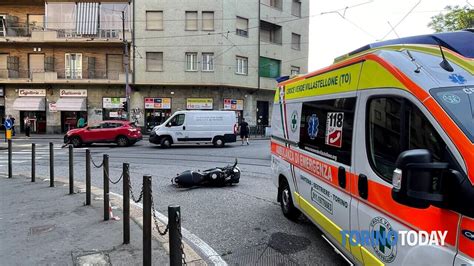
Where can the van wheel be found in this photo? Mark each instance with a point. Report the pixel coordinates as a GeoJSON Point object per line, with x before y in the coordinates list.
{"type": "Point", "coordinates": [165, 143]}
{"type": "Point", "coordinates": [218, 142]}
{"type": "Point", "coordinates": [122, 141]}
{"type": "Point", "coordinates": [76, 142]}
{"type": "Point", "coordinates": [286, 202]}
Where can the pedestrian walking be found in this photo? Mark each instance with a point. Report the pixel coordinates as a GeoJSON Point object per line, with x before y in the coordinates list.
{"type": "Point", "coordinates": [13, 124]}
{"type": "Point", "coordinates": [244, 131]}
{"type": "Point", "coordinates": [27, 123]}
{"type": "Point", "coordinates": [81, 122]}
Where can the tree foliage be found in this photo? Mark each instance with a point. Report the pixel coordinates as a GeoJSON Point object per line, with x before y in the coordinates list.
{"type": "Point", "coordinates": [453, 18]}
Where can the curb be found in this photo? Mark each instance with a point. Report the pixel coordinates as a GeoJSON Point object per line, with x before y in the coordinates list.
{"type": "Point", "coordinates": [136, 215]}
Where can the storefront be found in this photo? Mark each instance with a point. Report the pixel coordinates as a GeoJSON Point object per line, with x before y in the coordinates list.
{"type": "Point", "coordinates": [32, 104]}
{"type": "Point", "coordinates": [199, 104]}
{"type": "Point", "coordinates": [72, 104]}
{"type": "Point", "coordinates": [235, 105]}
{"type": "Point", "coordinates": [112, 108]}
{"type": "Point", "coordinates": [157, 110]}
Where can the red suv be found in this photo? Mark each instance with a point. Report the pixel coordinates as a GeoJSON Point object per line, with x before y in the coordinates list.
{"type": "Point", "coordinates": [124, 133]}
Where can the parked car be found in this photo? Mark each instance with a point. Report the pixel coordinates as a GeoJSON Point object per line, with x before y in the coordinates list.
{"type": "Point", "coordinates": [124, 133]}
{"type": "Point", "coordinates": [187, 127]}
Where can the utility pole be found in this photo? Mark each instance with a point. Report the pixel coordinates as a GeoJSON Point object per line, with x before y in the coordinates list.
{"type": "Point", "coordinates": [258, 45]}
{"type": "Point", "coordinates": [126, 59]}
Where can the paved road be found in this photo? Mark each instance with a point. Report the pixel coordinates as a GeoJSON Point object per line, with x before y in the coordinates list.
{"type": "Point", "coordinates": [243, 223]}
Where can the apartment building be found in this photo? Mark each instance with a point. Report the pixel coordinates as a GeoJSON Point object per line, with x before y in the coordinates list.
{"type": "Point", "coordinates": [219, 55]}
{"type": "Point", "coordinates": [60, 60]}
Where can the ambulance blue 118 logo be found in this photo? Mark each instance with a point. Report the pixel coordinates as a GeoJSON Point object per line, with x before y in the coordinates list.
{"type": "Point", "coordinates": [313, 125]}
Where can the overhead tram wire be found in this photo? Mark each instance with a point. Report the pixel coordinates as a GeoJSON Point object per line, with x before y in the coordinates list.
{"type": "Point", "coordinates": [399, 22]}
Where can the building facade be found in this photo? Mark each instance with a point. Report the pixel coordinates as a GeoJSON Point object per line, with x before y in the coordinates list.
{"type": "Point", "coordinates": [208, 54]}
{"type": "Point", "coordinates": [61, 60]}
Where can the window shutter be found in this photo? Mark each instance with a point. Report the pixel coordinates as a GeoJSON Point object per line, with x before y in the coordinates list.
{"type": "Point", "coordinates": [191, 20]}
{"type": "Point", "coordinates": [154, 61]}
{"type": "Point", "coordinates": [295, 41]}
{"type": "Point", "coordinates": [208, 20]}
{"type": "Point", "coordinates": [154, 20]}
{"type": "Point", "coordinates": [296, 8]}
{"type": "Point", "coordinates": [242, 23]}
{"type": "Point", "coordinates": [87, 18]}
{"type": "Point", "coordinates": [49, 64]}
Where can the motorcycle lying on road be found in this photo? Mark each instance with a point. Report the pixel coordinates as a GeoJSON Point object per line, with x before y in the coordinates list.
{"type": "Point", "coordinates": [218, 177]}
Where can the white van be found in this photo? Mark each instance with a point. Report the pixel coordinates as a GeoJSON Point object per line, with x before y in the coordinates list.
{"type": "Point", "coordinates": [186, 127]}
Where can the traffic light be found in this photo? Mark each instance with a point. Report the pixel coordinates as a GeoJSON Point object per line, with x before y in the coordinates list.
{"type": "Point", "coordinates": [125, 106]}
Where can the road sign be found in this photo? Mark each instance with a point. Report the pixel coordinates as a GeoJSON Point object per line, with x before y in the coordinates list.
{"type": "Point", "coordinates": [8, 124]}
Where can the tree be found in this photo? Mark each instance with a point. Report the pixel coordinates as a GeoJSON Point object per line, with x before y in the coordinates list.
{"type": "Point", "coordinates": [453, 18]}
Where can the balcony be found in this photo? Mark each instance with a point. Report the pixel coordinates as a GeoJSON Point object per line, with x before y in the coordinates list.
{"type": "Point", "coordinates": [62, 77]}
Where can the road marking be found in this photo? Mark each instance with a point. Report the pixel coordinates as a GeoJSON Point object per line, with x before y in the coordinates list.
{"type": "Point", "coordinates": [204, 248]}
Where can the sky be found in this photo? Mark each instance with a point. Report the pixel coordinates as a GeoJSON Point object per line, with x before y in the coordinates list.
{"type": "Point", "coordinates": [331, 35]}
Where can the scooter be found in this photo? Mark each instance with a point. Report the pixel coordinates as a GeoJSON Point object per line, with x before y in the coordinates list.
{"type": "Point", "coordinates": [218, 177]}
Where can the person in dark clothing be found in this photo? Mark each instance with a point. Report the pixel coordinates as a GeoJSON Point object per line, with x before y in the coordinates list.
{"type": "Point", "coordinates": [27, 124]}
{"type": "Point", "coordinates": [244, 131]}
{"type": "Point", "coordinates": [13, 125]}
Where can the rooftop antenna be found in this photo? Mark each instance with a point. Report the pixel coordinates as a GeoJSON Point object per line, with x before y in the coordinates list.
{"type": "Point", "coordinates": [445, 63]}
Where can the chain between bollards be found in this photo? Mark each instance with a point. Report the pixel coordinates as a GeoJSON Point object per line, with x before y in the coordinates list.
{"type": "Point", "coordinates": [126, 203]}
{"type": "Point", "coordinates": [51, 164]}
{"type": "Point", "coordinates": [175, 237]}
{"type": "Point", "coordinates": [147, 220]}
{"type": "Point", "coordinates": [10, 170]}
{"type": "Point", "coordinates": [33, 162]}
{"type": "Point", "coordinates": [106, 187]}
{"type": "Point", "coordinates": [71, 170]}
{"type": "Point", "coordinates": [88, 177]}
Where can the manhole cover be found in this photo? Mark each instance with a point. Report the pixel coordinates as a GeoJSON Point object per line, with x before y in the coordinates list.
{"type": "Point", "coordinates": [42, 229]}
{"type": "Point", "coordinates": [97, 258]}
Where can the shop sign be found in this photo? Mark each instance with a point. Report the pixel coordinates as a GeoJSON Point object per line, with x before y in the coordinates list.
{"type": "Point", "coordinates": [157, 103]}
{"type": "Point", "coordinates": [52, 107]}
{"type": "Point", "coordinates": [233, 104]}
{"type": "Point", "coordinates": [32, 92]}
{"type": "Point", "coordinates": [199, 104]}
{"type": "Point", "coordinates": [72, 93]}
{"type": "Point", "coordinates": [113, 103]}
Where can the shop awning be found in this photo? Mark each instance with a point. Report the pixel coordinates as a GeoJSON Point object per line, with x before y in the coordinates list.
{"type": "Point", "coordinates": [71, 104]}
{"type": "Point", "coordinates": [30, 104]}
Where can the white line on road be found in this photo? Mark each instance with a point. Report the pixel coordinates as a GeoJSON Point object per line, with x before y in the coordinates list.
{"type": "Point", "coordinates": [204, 248]}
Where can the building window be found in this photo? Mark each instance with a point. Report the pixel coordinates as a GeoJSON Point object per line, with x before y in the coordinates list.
{"type": "Point", "coordinates": [191, 62]}
{"type": "Point", "coordinates": [295, 41]}
{"type": "Point", "coordinates": [208, 20]}
{"type": "Point", "coordinates": [242, 65]}
{"type": "Point", "coordinates": [73, 64]}
{"type": "Point", "coordinates": [270, 33]}
{"type": "Point", "coordinates": [191, 20]}
{"type": "Point", "coordinates": [154, 61]}
{"type": "Point", "coordinates": [154, 20]}
{"type": "Point", "coordinates": [242, 27]}
{"type": "Point", "coordinates": [278, 4]}
{"type": "Point", "coordinates": [2, 26]}
{"type": "Point", "coordinates": [326, 128]}
{"type": "Point", "coordinates": [295, 70]}
{"type": "Point", "coordinates": [296, 8]}
{"type": "Point", "coordinates": [207, 61]}
{"type": "Point", "coordinates": [269, 68]}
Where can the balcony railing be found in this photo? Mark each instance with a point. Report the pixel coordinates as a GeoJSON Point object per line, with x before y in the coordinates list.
{"type": "Point", "coordinates": [62, 75]}
{"type": "Point", "coordinates": [24, 31]}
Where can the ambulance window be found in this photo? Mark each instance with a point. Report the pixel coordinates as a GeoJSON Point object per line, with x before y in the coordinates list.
{"type": "Point", "coordinates": [396, 125]}
{"type": "Point", "coordinates": [326, 128]}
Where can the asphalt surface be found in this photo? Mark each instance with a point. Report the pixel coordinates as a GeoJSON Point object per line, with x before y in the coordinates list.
{"type": "Point", "coordinates": [243, 223]}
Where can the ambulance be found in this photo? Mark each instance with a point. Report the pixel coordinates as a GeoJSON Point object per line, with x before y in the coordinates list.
{"type": "Point", "coordinates": [381, 142]}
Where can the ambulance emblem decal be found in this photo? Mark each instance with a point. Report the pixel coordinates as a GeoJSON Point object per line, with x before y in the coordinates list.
{"type": "Point", "coordinates": [313, 125]}
{"type": "Point", "coordinates": [385, 251]}
{"type": "Point", "coordinates": [294, 121]}
{"type": "Point", "coordinates": [456, 78]}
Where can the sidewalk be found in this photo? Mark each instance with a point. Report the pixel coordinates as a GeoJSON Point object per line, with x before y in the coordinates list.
{"type": "Point", "coordinates": [40, 225]}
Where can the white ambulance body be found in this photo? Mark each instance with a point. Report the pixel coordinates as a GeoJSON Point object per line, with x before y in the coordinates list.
{"type": "Point", "coordinates": [382, 141]}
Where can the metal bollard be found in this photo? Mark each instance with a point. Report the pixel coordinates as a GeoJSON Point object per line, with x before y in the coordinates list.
{"type": "Point", "coordinates": [147, 220]}
{"type": "Point", "coordinates": [174, 223]}
{"type": "Point", "coordinates": [10, 170]}
{"type": "Point", "coordinates": [71, 170]}
{"type": "Point", "coordinates": [33, 162]}
{"type": "Point", "coordinates": [88, 177]}
{"type": "Point", "coordinates": [51, 164]}
{"type": "Point", "coordinates": [126, 203]}
{"type": "Point", "coordinates": [106, 187]}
